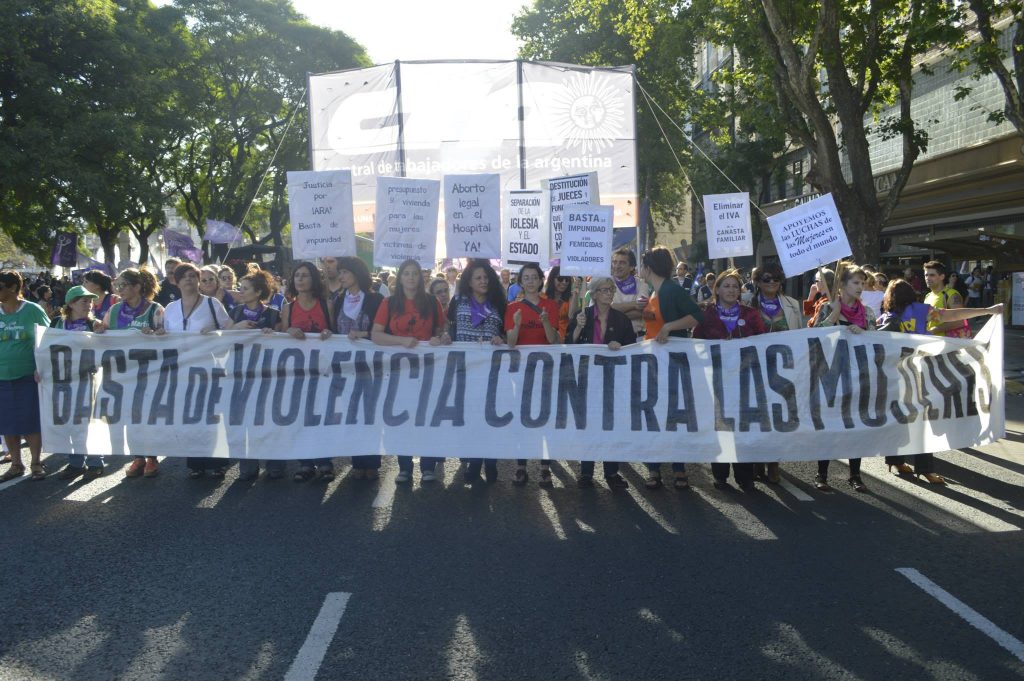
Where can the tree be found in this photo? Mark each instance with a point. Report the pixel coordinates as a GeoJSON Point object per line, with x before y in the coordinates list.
{"type": "Point", "coordinates": [245, 77]}
{"type": "Point", "coordinates": [980, 46]}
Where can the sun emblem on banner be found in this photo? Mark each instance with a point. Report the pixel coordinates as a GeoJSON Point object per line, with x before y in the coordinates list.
{"type": "Point", "coordinates": [591, 113]}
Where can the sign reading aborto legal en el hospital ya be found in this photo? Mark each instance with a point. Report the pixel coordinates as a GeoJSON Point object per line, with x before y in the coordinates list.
{"type": "Point", "coordinates": [320, 209]}
{"type": "Point", "coordinates": [472, 216]}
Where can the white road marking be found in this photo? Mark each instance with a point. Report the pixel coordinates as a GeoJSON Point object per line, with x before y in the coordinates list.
{"type": "Point", "coordinates": [969, 614]}
{"type": "Point", "coordinates": [311, 655]}
{"type": "Point", "coordinates": [794, 490]}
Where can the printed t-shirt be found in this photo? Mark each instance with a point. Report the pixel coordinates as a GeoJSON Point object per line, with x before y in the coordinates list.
{"type": "Point", "coordinates": [941, 301]}
{"type": "Point", "coordinates": [17, 340]}
{"type": "Point", "coordinates": [409, 323]}
{"type": "Point", "coordinates": [531, 329]}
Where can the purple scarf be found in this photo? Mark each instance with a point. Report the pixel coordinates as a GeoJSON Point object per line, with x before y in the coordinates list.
{"type": "Point", "coordinates": [730, 317]}
{"type": "Point", "coordinates": [770, 306]}
{"type": "Point", "coordinates": [253, 315]}
{"type": "Point", "coordinates": [627, 286]}
{"type": "Point", "coordinates": [76, 324]}
{"type": "Point", "coordinates": [479, 312]}
{"type": "Point", "coordinates": [126, 315]}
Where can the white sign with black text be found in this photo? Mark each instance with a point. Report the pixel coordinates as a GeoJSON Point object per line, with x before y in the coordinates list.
{"type": "Point", "coordinates": [406, 221]}
{"type": "Point", "coordinates": [563, 192]}
{"type": "Point", "coordinates": [320, 208]}
{"type": "Point", "coordinates": [472, 216]}
{"type": "Point", "coordinates": [728, 221]}
{"type": "Point", "coordinates": [525, 233]}
{"type": "Point", "coordinates": [587, 246]}
{"type": "Point", "coordinates": [809, 235]}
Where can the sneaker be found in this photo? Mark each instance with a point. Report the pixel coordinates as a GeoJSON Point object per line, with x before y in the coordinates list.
{"type": "Point", "coordinates": [429, 476]}
{"type": "Point", "coordinates": [402, 476]}
{"type": "Point", "coordinates": [151, 469]}
{"type": "Point", "coordinates": [821, 484]}
{"type": "Point", "coordinates": [135, 468]}
{"type": "Point", "coordinates": [70, 472]}
{"type": "Point", "coordinates": [93, 472]}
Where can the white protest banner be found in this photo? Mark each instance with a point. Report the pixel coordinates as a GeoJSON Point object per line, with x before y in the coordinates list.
{"type": "Point", "coordinates": [797, 395]}
{"type": "Point", "coordinates": [587, 242]}
{"type": "Point", "coordinates": [728, 220]}
{"type": "Point", "coordinates": [406, 221]}
{"type": "Point", "coordinates": [525, 236]}
{"type": "Point", "coordinates": [472, 216]}
{"type": "Point", "coordinates": [809, 235]}
{"type": "Point", "coordinates": [320, 207]}
{"type": "Point", "coordinates": [573, 190]}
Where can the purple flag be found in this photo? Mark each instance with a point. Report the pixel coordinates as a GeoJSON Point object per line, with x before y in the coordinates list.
{"type": "Point", "coordinates": [218, 232]}
{"type": "Point", "coordinates": [65, 252]}
{"type": "Point", "coordinates": [180, 246]}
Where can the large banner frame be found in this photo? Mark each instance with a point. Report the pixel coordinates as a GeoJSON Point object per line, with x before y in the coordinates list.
{"type": "Point", "coordinates": [526, 120]}
{"type": "Point", "coordinates": [807, 394]}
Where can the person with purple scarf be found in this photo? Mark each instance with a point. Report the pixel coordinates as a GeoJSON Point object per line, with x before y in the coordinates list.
{"type": "Point", "coordinates": [725, 318]}
{"type": "Point", "coordinates": [630, 293]}
{"type": "Point", "coordinates": [477, 315]}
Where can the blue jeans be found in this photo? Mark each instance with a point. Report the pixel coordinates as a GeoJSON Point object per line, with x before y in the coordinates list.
{"type": "Point", "coordinates": [78, 460]}
{"type": "Point", "coordinates": [427, 463]}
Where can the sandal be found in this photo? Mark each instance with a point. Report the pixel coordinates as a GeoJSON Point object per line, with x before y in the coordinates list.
{"type": "Point", "coordinates": [821, 484]}
{"type": "Point", "coordinates": [326, 474]}
{"type": "Point", "coordinates": [857, 484]}
{"type": "Point", "coordinates": [521, 477]}
{"type": "Point", "coordinates": [15, 471]}
{"type": "Point", "coordinates": [38, 471]}
{"type": "Point", "coordinates": [653, 482]}
{"type": "Point", "coordinates": [681, 482]}
{"type": "Point", "coordinates": [217, 473]}
{"type": "Point", "coordinates": [303, 474]}
{"type": "Point", "coordinates": [196, 473]}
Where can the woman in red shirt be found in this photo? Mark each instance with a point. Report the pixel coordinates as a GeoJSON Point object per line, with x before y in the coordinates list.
{"type": "Point", "coordinates": [532, 321]}
{"type": "Point", "coordinates": [725, 318]}
{"type": "Point", "coordinates": [308, 313]}
{"type": "Point", "coordinates": [410, 315]}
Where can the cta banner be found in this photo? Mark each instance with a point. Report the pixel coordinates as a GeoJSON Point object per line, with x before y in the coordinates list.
{"type": "Point", "coordinates": [797, 395]}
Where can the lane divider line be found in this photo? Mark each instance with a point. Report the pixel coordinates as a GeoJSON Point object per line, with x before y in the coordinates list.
{"type": "Point", "coordinates": [311, 655]}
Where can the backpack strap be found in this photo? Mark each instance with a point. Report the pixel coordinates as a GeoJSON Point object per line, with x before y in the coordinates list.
{"type": "Point", "coordinates": [213, 313]}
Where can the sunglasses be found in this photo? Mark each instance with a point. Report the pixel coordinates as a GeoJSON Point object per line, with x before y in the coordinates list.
{"type": "Point", "coordinates": [769, 279]}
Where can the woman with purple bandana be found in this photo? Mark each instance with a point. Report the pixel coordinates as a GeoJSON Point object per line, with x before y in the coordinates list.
{"type": "Point", "coordinates": [630, 293]}
{"type": "Point", "coordinates": [477, 315]}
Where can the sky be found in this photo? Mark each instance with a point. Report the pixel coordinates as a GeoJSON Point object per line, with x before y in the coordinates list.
{"type": "Point", "coordinates": [421, 29]}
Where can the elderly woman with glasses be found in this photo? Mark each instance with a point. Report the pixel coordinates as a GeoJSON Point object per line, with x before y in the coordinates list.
{"type": "Point", "coordinates": [778, 312]}
{"type": "Point", "coordinates": [601, 324]}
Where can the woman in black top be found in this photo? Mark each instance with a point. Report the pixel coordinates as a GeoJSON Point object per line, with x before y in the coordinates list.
{"type": "Point", "coordinates": [603, 325]}
{"type": "Point", "coordinates": [254, 290]}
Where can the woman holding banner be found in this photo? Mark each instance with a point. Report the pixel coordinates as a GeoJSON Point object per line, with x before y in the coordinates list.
{"type": "Point", "coordinates": [19, 394]}
{"type": "Point", "coordinates": [779, 312]}
{"type": "Point", "coordinates": [195, 313]}
{"type": "Point", "coordinates": [846, 310]}
{"type": "Point", "coordinates": [477, 315]}
{"type": "Point", "coordinates": [210, 285]}
{"type": "Point", "coordinates": [602, 324]}
{"type": "Point", "coordinates": [670, 313]}
{"type": "Point", "coordinates": [308, 313]}
{"type": "Point", "coordinates": [532, 321]}
{"type": "Point", "coordinates": [902, 313]}
{"type": "Point", "coordinates": [355, 308]}
{"type": "Point", "coordinates": [725, 318]}
{"type": "Point", "coordinates": [253, 312]}
{"type": "Point", "coordinates": [136, 310]}
{"type": "Point", "coordinates": [410, 315]}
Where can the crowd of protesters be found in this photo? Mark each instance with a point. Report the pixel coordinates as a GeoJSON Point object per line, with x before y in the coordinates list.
{"type": "Point", "coordinates": [654, 298]}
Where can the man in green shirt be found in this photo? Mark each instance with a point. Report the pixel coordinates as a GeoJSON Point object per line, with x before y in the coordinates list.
{"type": "Point", "coordinates": [19, 417]}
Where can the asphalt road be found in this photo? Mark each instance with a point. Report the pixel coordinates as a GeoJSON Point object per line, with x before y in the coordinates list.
{"type": "Point", "coordinates": [176, 579]}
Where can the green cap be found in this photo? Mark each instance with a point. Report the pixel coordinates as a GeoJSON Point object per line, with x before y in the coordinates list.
{"type": "Point", "coordinates": [77, 292]}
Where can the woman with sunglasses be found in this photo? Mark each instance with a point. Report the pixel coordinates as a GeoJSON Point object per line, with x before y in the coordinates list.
{"type": "Point", "coordinates": [228, 279]}
{"type": "Point", "coordinates": [477, 315]}
{"type": "Point", "coordinates": [19, 393]}
{"type": "Point", "coordinates": [566, 292]}
{"type": "Point", "coordinates": [532, 321]}
{"type": "Point", "coordinates": [602, 324]}
{"type": "Point", "coordinates": [355, 307]}
{"type": "Point", "coordinates": [847, 310]}
{"type": "Point", "coordinates": [136, 310]}
{"type": "Point", "coordinates": [725, 318]}
{"type": "Point", "coordinates": [406, 317]}
{"type": "Point", "coordinates": [196, 313]}
{"type": "Point", "coordinates": [670, 312]}
{"type": "Point", "coordinates": [210, 285]}
{"type": "Point", "coordinates": [308, 312]}
{"type": "Point", "coordinates": [779, 312]}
